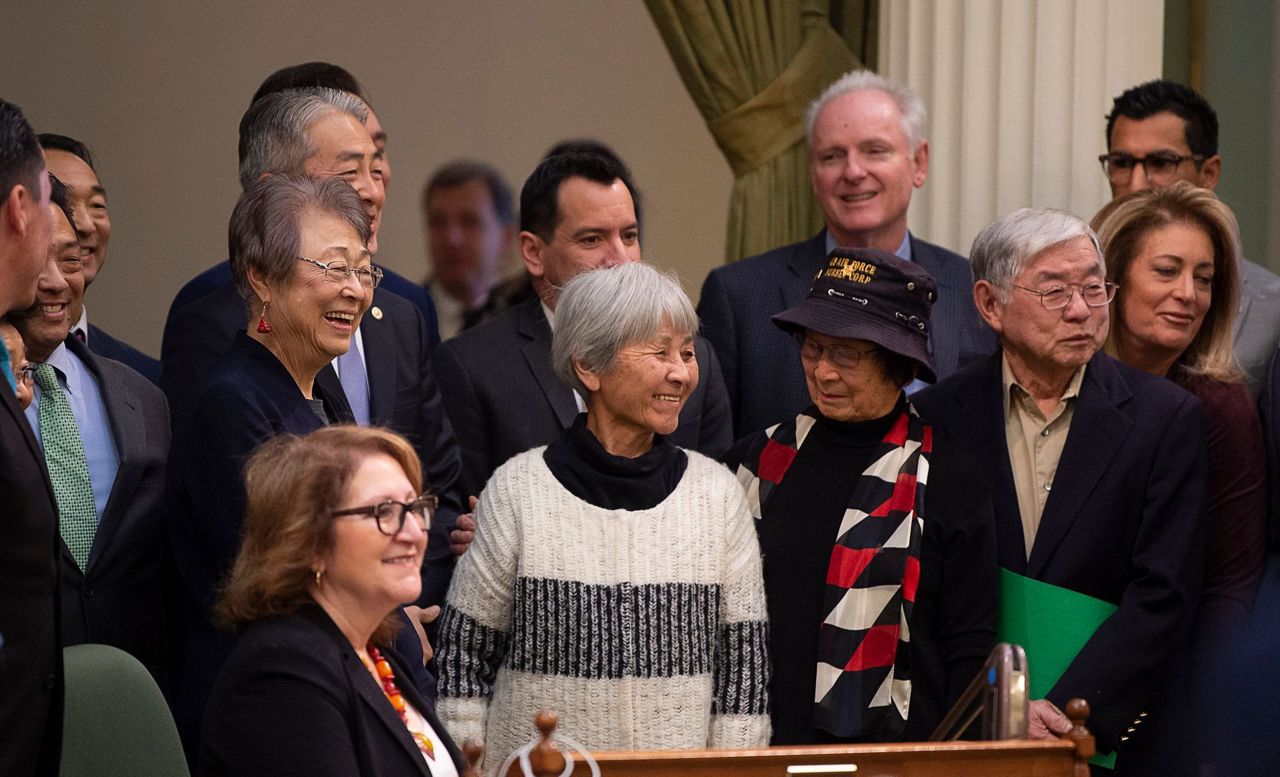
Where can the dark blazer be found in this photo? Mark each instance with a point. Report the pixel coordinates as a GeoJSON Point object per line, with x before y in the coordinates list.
{"type": "Point", "coordinates": [1269, 410]}
{"type": "Point", "coordinates": [30, 654]}
{"type": "Point", "coordinates": [295, 699]}
{"type": "Point", "coordinates": [402, 392]}
{"type": "Point", "coordinates": [761, 363]}
{"type": "Point", "coordinates": [120, 600]}
{"type": "Point", "coordinates": [104, 344]}
{"type": "Point", "coordinates": [244, 401]}
{"type": "Point", "coordinates": [220, 274]}
{"type": "Point", "coordinates": [1121, 524]}
{"type": "Point", "coordinates": [504, 398]}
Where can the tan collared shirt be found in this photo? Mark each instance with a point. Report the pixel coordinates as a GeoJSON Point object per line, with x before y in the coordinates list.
{"type": "Point", "coordinates": [1035, 444]}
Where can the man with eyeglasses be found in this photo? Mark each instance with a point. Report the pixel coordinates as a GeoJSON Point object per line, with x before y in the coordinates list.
{"type": "Point", "coordinates": [1096, 469]}
{"type": "Point", "coordinates": [1160, 132]}
{"type": "Point", "coordinates": [387, 375]}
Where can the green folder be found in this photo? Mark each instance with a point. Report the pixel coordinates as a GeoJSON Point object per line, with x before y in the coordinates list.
{"type": "Point", "coordinates": [1051, 624]}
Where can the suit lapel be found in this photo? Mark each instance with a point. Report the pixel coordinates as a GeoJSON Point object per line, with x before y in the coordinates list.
{"type": "Point", "coordinates": [127, 428]}
{"type": "Point", "coordinates": [378, 339]}
{"type": "Point", "coordinates": [945, 315]}
{"type": "Point", "coordinates": [803, 264]}
{"type": "Point", "coordinates": [536, 348]}
{"type": "Point", "coordinates": [1098, 427]}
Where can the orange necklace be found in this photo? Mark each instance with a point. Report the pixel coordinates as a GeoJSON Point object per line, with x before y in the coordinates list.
{"type": "Point", "coordinates": [389, 689]}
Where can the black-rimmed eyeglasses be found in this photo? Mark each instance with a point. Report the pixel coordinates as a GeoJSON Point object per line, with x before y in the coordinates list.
{"type": "Point", "coordinates": [839, 354]}
{"type": "Point", "coordinates": [26, 375]}
{"type": "Point", "coordinates": [1095, 295]}
{"type": "Point", "coordinates": [1160, 166]}
{"type": "Point", "coordinates": [391, 514]}
{"type": "Point", "coordinates": [341, 272]}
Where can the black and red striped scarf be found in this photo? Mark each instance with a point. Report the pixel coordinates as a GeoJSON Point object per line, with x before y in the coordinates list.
{"type": "Point", "coordinates": [864, 662]}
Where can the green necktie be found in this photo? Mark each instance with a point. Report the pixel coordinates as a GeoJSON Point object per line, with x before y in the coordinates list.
{"type": "Point", "coordinates": [68, 466]}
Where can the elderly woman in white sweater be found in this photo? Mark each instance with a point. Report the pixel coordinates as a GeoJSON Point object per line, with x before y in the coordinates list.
{"type": "Point", "coordinates": [614, 578]}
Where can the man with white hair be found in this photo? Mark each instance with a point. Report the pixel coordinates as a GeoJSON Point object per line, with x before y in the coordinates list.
{"type": "Point", "coordinates": [867, 154]}
{"type": "Point", "coordinates": [1096, 470]}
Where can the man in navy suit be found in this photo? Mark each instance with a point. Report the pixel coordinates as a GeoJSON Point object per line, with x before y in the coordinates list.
{"type": "Point", "coordinates": [71, 162]}
{"type": "Point", "coordinates": [113, 591]}
{"type": "Point", "coordinates": [30, 657]}
{"type": "Point", "coordinates": [1097, 471]}
{"type": "Point", "coordinates": [867, 153]}
{"type": "Point", "coordinates": [321, 132]}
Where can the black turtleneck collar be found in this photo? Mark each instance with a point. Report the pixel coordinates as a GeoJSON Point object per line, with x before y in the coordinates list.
{"type": "Point", "coordinates": [589, 472]}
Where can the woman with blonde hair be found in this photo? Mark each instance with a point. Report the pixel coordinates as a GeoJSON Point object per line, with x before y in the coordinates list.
{"type": "Point", "coordinates": [1175, 253]}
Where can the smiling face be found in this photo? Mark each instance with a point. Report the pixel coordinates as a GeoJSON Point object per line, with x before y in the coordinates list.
{"type": "Point", "coordinates": [1165, 293]}
{"type": "Point", "coordinates": [312, 317]}
{"type": "Point", "coordinates": [863, 169]}
{"type": "Point", "coordinates": [858, 393]}
{"type": "Point", "coordinates": [345, 150]}
{"type": "Point", "coordinates": [1047, 345]}
{"type": "Point", "coordinates": [643, 391]}
{"type": "Point", "coordinates": [59, 291]}
{"type": "Point", "coordinates": [88, 205]}
{"type": "Point", "coordinates": [365, 571]}
{"type": "Point", "coordinates": [596, 228]}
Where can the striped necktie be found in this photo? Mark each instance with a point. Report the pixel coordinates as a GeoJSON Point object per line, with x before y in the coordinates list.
{"type": "Point", "coordinates": [68, 467]}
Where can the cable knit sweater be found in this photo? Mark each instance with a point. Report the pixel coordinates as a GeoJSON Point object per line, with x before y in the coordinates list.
{"type": "Point", "coordinates": [642, 629]}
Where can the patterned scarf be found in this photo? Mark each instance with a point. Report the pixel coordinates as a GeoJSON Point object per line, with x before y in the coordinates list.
{"type": "Point", "coordinates": [864, 661]}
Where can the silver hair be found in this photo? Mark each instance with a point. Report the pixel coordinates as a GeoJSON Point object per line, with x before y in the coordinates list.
{"type": "Point", "coordinates": [265, 230]}
{"type": "Point", "coordinates": [910, 106]}
{"type": "Point", "coordinates": [1008, 244]}
{"type": "Point", "coordinates": [602, 311]}
{"type": "Point", "coordinates": [274, 136]}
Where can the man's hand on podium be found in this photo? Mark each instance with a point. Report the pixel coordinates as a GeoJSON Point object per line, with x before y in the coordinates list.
{"type": "Point", "coordinates": [1045, 721]}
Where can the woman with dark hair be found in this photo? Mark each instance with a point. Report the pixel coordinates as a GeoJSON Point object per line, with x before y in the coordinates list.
{"type": "Point", "coordinates": [334, 534]}
{"type": "Point", "coordinates": [878, 535]}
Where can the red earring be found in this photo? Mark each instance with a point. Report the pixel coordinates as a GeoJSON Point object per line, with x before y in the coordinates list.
{"type": "Point", "coordinates": [264, 327]}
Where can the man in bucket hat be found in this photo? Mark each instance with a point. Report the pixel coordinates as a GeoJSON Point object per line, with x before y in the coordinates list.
{"type": "Point", "coordinates": [882, 600]}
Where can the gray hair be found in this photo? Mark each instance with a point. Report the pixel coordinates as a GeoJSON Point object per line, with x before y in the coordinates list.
{"type": "Point", "coordinates": [602, 311]}
{"type": "Point", "coordinates": [1008, 244]}
{"type": "Point", "coordinates": [274, 136]}
{"type": "Point", "coordinates": [910, 106]}
{"type": "Point", "coordinates": [265, 233]}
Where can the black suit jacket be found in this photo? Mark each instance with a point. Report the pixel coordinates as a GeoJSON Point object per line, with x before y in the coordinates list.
{"type": "Point", "coordinates": [504, 398]}
{"type": "Point", "coordinates": [402, 392]}
{"type": "Point", "coordinates": [30, 654]}
{"type": "Point", "coordinates": [1121, 524]}
{"type": "Point", "coordinates": [761, 363]}
{"type": "Point", "coordinates": [120, 599]}
{"type": "Point", "coordinates": [295, 699]}
{"type": "Point", "coordinates": [104, 344]}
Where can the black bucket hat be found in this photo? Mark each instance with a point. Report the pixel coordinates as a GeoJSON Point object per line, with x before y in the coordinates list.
{"type": "Point", "coordinates": [869, 294]}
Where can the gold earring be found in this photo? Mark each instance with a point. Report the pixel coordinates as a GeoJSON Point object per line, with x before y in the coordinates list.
{"type": "Point", "coordinates": [318, 574]}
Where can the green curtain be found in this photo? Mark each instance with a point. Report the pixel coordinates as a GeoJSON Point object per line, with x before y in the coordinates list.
{"type": "Point", "coordinates": [752, 67]}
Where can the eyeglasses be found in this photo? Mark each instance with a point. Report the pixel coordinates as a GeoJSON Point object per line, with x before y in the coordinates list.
{"type": "Point", "coordinates": [1160, 166]}
{"type": "Point", "coordinates": [341, 272]}
{"type": "Point", "coordinates": [390, 515]}
{"type": "Point", "coordinates": [845, 356]}
{"type": "Point", "coordinates": [1095, 295]}
{"type": "Point", "coordinates": [26, 374]}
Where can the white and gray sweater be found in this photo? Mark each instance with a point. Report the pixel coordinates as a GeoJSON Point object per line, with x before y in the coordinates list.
{"type": "Point", "coordinates": [642, 629]}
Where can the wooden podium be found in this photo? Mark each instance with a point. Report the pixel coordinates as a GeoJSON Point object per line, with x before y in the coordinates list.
{"type": "Point", "coordinates": [1065, 757]}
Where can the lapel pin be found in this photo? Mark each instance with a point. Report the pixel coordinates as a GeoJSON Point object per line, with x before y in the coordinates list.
{"type": "Point", "coordinates": [376, 312]}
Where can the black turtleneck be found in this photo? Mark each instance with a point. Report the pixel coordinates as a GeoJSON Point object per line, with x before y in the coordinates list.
{"type": "Point", "coordinates": [589, 472]}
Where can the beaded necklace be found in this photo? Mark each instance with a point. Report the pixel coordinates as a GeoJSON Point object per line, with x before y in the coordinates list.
{"type": "Point", "coordinates": [388, 677]}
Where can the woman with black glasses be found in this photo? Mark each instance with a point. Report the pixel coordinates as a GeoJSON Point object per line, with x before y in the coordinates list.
{"type": "Point", "coordinates": [334, 535]}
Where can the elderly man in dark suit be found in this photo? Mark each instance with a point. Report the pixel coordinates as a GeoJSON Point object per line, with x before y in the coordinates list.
{"type": "Point", "coordinates": [387, 375]}
{"type": "Point", "coordinates": [867, 154]}
{"type": "Point", "coordinates": [71, 162]}
{"type": "Point", "coordinates": [104, 433]}
{"type": "Point", "coordinates": [577, 213]}
{"type": "Point", "coordinates": [30, 658]}
{"type": "Point", "coordinates": [1097, 470]}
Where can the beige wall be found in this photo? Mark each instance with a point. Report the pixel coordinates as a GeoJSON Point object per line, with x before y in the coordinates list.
{"type": "Point", "coordinates": [157, 89]}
